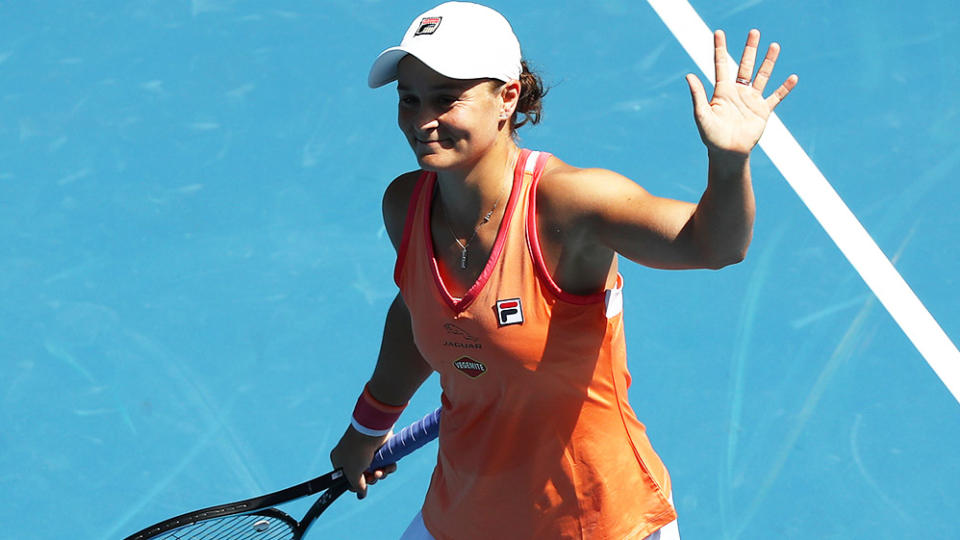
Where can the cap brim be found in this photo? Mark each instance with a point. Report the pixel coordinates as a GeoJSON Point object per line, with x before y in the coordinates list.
{"type": "Point", "coordinates": [384, 69]}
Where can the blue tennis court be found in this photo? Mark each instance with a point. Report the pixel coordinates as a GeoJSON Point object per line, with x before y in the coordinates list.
{"type": "Point", "coordinates": [195, 272]}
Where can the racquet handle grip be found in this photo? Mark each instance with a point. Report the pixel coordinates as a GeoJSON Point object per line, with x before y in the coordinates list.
{"type": "Point", "coordinates": [409, 439]}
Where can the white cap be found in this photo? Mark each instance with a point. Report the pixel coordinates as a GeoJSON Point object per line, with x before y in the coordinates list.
{"type": "Point", "coordinates": [460, 40]}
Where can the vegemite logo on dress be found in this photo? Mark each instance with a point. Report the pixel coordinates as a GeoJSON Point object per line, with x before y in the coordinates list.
{"type": "Point", "coordinates": [509, 312]}
{"type": "Point", "coordinates": [470, 367]}
{"type": "Point", "coordinates": [428, 25]}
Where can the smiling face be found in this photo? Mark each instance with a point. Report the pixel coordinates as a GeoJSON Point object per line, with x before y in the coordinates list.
{"type": "Point", "coordinates": [450, 123]}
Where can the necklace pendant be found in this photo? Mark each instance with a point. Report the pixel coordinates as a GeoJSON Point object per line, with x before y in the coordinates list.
{"type": "Point", "coordinates": [463, 259]}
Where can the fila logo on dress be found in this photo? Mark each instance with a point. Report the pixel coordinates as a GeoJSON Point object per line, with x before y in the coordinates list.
{"type": "Point", "coordinates": [509, 312]}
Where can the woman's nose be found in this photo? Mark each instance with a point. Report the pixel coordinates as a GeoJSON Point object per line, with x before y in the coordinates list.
{"type": "Point", "coordinates": [426, 119]}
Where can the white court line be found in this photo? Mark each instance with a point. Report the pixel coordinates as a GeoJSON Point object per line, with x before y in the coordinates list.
{"type": "Point", "coordinates": [828, 208]}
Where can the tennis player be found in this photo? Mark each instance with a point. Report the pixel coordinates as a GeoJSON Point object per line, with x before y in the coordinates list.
{"type": "Point", "coordinates": [509, 289]}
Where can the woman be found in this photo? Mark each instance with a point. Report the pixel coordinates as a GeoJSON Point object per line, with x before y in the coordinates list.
{"type": "Point", "coordinates": [507, 269]}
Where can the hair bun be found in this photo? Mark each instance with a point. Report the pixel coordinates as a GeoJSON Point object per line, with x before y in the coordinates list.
{"type": "Point", "coordinates": [532, 93]}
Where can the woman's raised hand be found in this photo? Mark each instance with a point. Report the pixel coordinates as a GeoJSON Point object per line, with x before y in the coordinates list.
{"type": "Point", "coordinates": [734, 119]}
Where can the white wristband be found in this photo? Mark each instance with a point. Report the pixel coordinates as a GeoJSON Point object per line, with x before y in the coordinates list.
{"type": "Point", "coordinates": [367, 431]}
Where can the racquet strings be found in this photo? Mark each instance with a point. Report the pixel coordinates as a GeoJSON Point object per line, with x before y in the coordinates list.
{"type": "Point", "coordinates": [239, 527]}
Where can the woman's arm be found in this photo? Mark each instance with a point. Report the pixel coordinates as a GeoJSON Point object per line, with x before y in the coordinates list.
{"type": "Point", "coordinates": [619, 216]}
{"type": "Point", "coordinates": [399, 372]}
{"type": "Point", "coordinates": [400, 369]}
{"type": "Point", "coordinates": [730, 125]}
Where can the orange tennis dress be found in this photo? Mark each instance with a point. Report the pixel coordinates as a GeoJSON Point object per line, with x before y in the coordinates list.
{"type": "Point", "coordinates": [537, 438]}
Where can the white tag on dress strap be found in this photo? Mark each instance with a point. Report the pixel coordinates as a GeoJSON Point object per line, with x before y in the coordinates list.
{"type": "Point", "coordinates": [531, 163]}
{"type": "Point", "coordinates": [613, 300]}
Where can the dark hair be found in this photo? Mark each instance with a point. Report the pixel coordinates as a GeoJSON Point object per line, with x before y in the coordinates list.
{"type": "Point", "coordinates": [530, 104]}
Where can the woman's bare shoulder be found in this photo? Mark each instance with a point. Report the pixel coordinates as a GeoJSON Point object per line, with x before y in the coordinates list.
{"type": "Point", "coordinates": [577, 191]}
{"type": "Point", "coordinates": [396, 202]}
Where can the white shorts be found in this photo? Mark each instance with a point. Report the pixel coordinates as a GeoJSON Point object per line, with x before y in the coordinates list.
{"type": "Point", "coordinates": [418, 531]}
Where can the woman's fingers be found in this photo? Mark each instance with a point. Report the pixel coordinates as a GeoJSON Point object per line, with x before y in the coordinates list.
{"type": "Point", "coordinates": [766, 68]}
{"type": "Point", "coordinates": [720, 56]}
{"type": "Point", "coordinates": [745, 69]}
{"type": "Point", "coordinates": [361, 487]}
{"type": "Point", "coordinates": [371, 477]}
{"type": "Point", "coordinates": [749, 57]}
{"type": "Point", "coordinates": [698, 93]}
{"type": "Point", "coordinates": [777, 96]}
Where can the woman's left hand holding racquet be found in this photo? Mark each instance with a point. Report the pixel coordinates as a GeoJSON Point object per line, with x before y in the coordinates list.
{"type": "Point", "coordinates": [353, 454]}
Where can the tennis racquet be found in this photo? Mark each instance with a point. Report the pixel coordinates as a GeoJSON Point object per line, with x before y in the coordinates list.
{"type": "Point", "coordinates": [255, 519]}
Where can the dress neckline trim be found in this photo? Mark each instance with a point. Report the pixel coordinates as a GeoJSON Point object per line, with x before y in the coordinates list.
{"type": "Point", "coordinates": [460, 304]}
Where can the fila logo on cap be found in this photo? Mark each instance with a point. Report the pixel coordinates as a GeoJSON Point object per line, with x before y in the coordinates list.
{"type": "Point", "coordinates": [428, 25]}
{"type": "Point", "coordinates": [509, 312]}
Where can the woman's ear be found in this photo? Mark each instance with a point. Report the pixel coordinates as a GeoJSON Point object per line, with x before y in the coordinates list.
{"type": "Point", "coordinates": [509, 98]}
